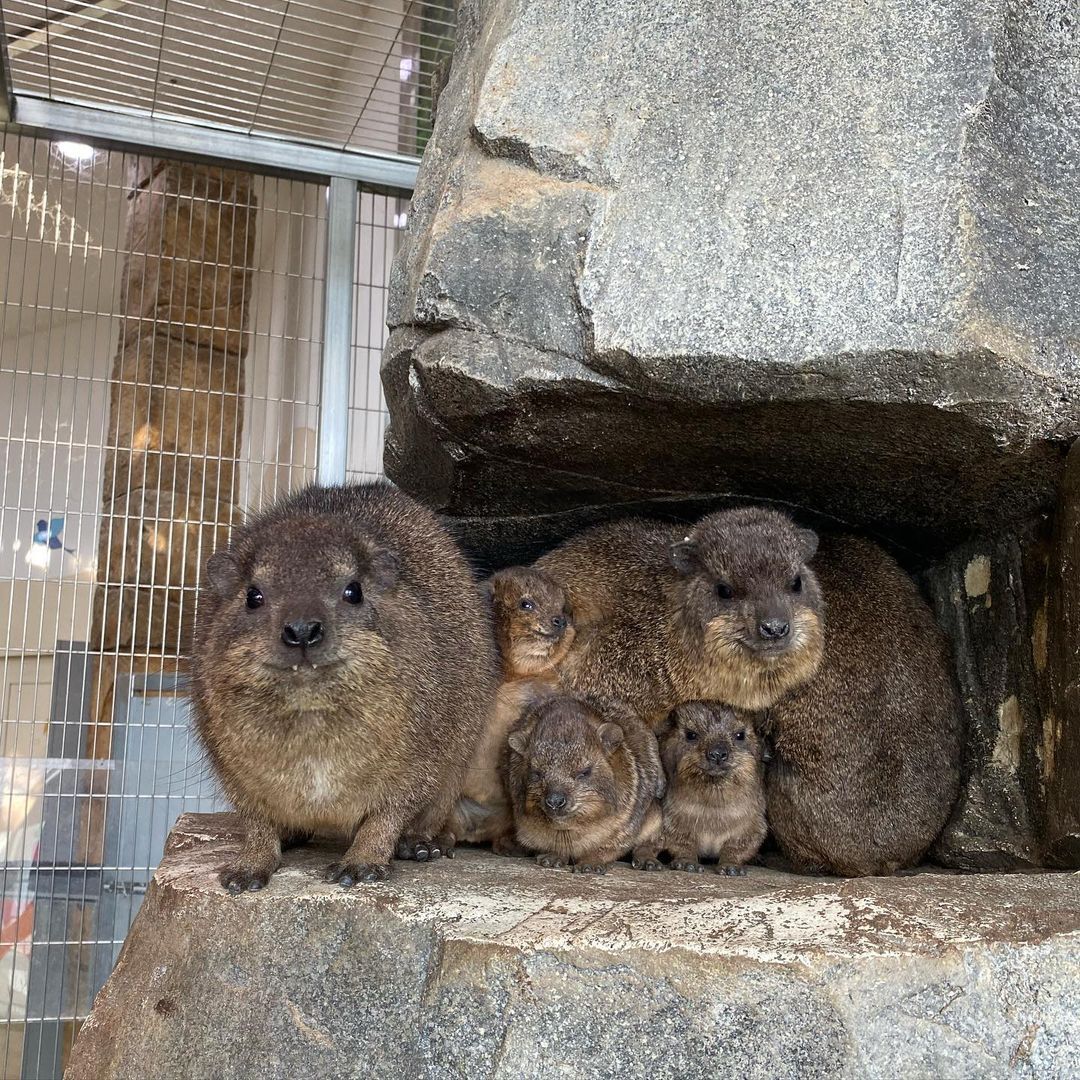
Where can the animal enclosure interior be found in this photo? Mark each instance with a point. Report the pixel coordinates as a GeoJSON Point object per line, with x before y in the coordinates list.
{"type": "Point", "coordinates": [123, 402]}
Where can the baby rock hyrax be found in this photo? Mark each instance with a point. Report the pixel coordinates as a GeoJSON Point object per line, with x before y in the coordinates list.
{"type": "Point", "coordinates": [728, 612]}
{"type": "Point", "coordinates": [533, 630]}
{"type": "Point", "coordinates": [343, 671]}
{"type": "Point", "coordinates": [583, 778]}
{"type": "Point", "coordinates": [715, 802]}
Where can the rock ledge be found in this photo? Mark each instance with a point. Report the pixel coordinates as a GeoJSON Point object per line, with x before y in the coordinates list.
{"type": "Point", "coordinates": [488, 967]}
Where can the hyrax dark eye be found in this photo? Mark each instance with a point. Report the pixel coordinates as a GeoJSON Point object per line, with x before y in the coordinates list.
{"type": "Point", "coordinates": [527, 604]}
{"type": "Point", "coordinates": [254, 598]}
{"type": "Point", "coordinates": [724, 590]}
{"type": "Point", "coordinates": [534, 776]}
{"type": "Point", "coordinates": [691, 736]}
{"type": "Point", "coordinates": [585, 773]}
{"type": "Point", "coordinates": [740, 734]}
{"type": "Point", "coordinates": [353, 594]}
{"type": "Point", "coordinates": [796, 585]}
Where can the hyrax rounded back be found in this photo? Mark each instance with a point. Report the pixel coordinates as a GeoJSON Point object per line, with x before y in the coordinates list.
{"type": "Point", "coordinates": [715, 801]}
{"type": "Point", "coordinates": [533, 630]}
{"type": "Point", "coordinates": [343, 671]}
{"type": "Point", "coordinates": [866, 754]}
{"type": "Point", "coordinates": [727, 611]}
{"type": "Point", "coordinates": [583, 778]}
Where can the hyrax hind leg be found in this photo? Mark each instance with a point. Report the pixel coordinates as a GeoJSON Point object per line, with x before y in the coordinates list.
{"type": "Point", "coordinates": [646, 854]}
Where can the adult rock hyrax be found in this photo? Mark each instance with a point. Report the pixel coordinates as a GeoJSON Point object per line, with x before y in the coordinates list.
{"type": "Point", "coordinates": [714, 807]}
{"type": "Point", "coordinates": [729, 611]}
{"type": "Point", "coordinates": [866, 754]}
{"type": "Point", "coordinates": [534, 629]}
{"type": "Point", "coordinates": [343, 671]}
{"type": "Point", "coordinates": [843, 652]}
{"type": "Point", "coordinates": [584, 778]}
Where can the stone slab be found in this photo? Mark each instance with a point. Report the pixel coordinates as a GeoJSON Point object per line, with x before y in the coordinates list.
{"type": "Point", "coordinates": [488, 967]}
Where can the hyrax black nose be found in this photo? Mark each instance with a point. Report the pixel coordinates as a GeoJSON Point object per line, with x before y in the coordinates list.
{"type": "Point", "coordinates": [717, 756]}
{"type": "Point", "coordinates": [558, 622]}
{"type": "Point", "coordinates": [555, 800]}
{"type": "Point", "coordinates": [303, 634]}
{"type": "Point", "coordinates": [773, 629]}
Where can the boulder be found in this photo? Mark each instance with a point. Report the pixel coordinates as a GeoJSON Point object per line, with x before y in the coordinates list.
{"type": "Point", "coordinates": [488, 967]}
{"type": "Point", "coordinates": [691, 251]}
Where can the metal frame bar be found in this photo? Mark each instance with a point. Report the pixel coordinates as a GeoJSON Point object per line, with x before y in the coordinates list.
{"type": "Point", "coordinates": [343, 206]}
{"type": "Point", "coordinates": [194, 142]}
{"type": "Point", "coordinates": [7, 96]}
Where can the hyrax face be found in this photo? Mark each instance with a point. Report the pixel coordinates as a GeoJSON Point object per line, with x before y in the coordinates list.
{"type": "Point", "coordinates": [709, 743]}
{"type": "Point", "coordinates": [533, 623]}
{"type": "Point", "coordinates": [563, 759]}
{"type": "Point", "coordinates": [748, 591]}
{"type": "Point", "coordinates": [297, 606]}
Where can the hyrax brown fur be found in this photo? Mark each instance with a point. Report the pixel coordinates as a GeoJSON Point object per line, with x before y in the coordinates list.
{"type": "Point", "coordinates": [584, 777]}
{"type": "Point", "coordinates": [534, 628]}
{"type": "Point", "coordinates": [343, 671]}
{"type": "Point", "coordinates": [729, 611]}
{"type": "Point", "coordinates": [866, 755]}
{"type": "Point", "coordinates": [715, 802]}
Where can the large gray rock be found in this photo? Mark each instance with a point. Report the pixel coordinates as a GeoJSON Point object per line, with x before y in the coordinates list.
{"type": "Point", "coordinates": [488, 967]}
{"type": "Point", "coordinates": [687, 249]}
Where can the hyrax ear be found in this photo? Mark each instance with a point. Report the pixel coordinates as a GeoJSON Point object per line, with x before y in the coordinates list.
{"type": "Point", "coordinates": [684, 556]}
{"type": "Point", "coordinates": [668, 724]}
{"type": "Point", "coordinates": [383, 569]}
{"type": "Point", "coordinates": [611, 736]}
{"type": "Point", "coordinates": [223, 572]}
{"type": "Point", "coordinates": [808, 543]}
{"type": "Point", "coordinates": [518, 741]}
{"type": "Point", "coordinates": [487, 589]}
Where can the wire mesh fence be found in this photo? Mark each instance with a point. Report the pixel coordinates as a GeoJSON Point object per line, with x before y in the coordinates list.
{"type": "Point", "coordinates": [381, 219]}
{"type": "Point", "coordinates": [346, 73]}
{"type": "Point", "coordinates": [160, 337]}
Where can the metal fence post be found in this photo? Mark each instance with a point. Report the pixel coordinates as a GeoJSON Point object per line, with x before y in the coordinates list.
{"type": "Point", "coordinates": [343, 204]}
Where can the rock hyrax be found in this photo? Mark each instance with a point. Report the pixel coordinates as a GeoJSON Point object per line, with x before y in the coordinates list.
{"type": "Point", "coordinates": [343, 672]}
{"type": "Point", "coordinates": [583, 778]}
{"type": "Point", "coordinates": [533, 630]}
{"type": "Point", "coordinates": [866, 754]}
{"type": "Point", "coordinates": [715, 802]}
{"type": "Point", "coordinates": [728, 611]}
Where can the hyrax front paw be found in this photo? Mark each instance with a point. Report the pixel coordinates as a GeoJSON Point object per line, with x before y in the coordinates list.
{"type": "Point", "coordinates": [238, 879]}
{"type": "Point", "coordinates": [347, 873]}
{"type": "Point", "coordinates": [550, 860]}
{"type": "Point", "coordinates": [688, 865]}
{"type": "Point", "coordinates": [425, 850]}
{"type": "Point", "coordinates": [591, 868]}
{"type": "Point", "coordinates": [508, 846]}
{"type": "Point", "coordinates": [731, 871]}
{"type": "Point", "coordinates": [647, 862]}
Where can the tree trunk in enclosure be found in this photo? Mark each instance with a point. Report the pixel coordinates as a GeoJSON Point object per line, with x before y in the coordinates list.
{"type": "Point", "coordinates": [175, 421]}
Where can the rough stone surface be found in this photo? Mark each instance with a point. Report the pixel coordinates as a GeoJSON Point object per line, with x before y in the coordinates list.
{"type": "Point", "coordinates": [821, 255]}
{"type": "Point", "coordinates": [985, 595]}
{"type": "Point", "coordinates": [487, 967]}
